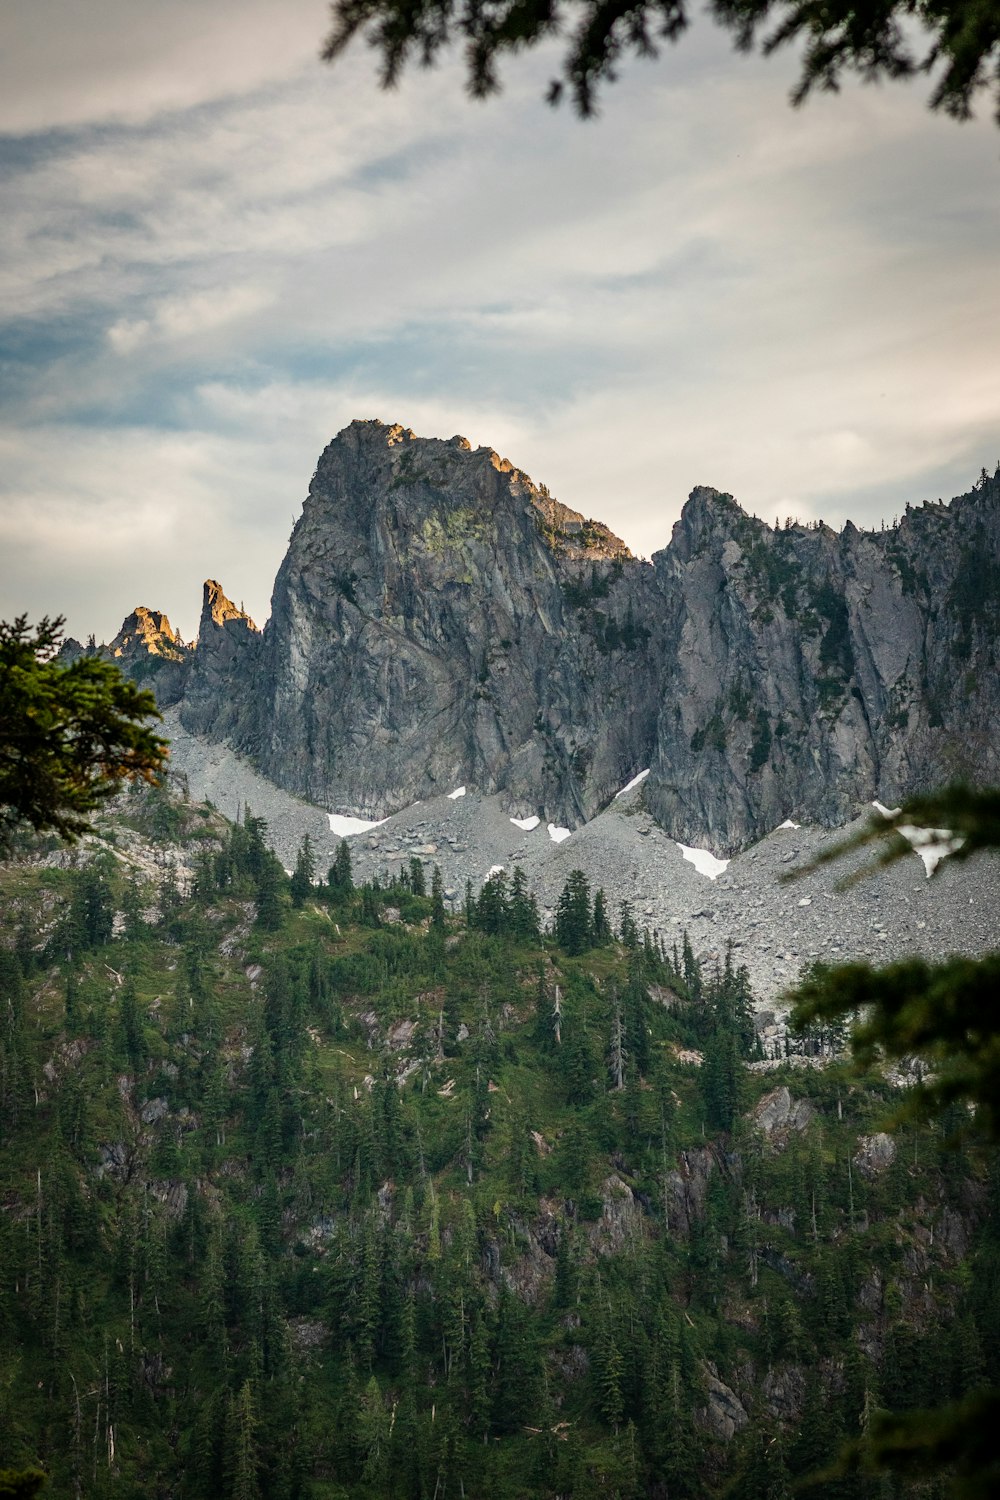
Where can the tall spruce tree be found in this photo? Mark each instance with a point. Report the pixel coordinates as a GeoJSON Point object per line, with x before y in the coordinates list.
{"type": "Point", "coordinates": [301, 882]}
{"type": "Point", "coordinates": [339, 877]}
{"type": "Point", "coordinates": [573, 917]}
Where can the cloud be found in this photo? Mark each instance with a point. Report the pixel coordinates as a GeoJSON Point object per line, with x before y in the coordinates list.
{"type": "Point", "coordinates": [187, 317]}
{"type": "Point", "coordinates": [217, 272]}
{"type": "Point", "coordinates": [137, 516]}
{"type": "Point", "coordinates": [65, 64]}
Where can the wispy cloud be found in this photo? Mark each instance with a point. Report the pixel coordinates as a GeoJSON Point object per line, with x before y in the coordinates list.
{"type": "Point", "coordinates": [211, 263]}
{"type": "Point", "coordinates": [187, 317]}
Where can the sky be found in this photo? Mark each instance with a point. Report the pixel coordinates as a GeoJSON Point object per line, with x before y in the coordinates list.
{"type": "Point", "coordinates": [215, 252]}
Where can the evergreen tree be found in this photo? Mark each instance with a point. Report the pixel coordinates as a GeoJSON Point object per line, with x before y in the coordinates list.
{"type": "Point", "coordinates": [93, 906]}
{"type": "Point", "coordinates": [203, 886]}
{"type": "Point", "coordinates": [437, 902]}
{"type": "Point", "coordinates": [301, 882]}
{"type": "Point", "coordinates": [577, 1060]}
{"type": "Point", "coordinates": [269, 911]}
{"type": "Point", "coordinates": [134, 928]}
{"type": "Point", "coordinates": [574, 1158]}
{"type": "Point", "coordinates": [243, 1458]}
{"type": "Point", "coordinates": [635, 1019]}
{"type": "Point", "coordinates": [573, 918]}
{"type": "Point", "coordinates": [609, 1366]}
{"type": "Point", "coordinates": [766, 1474]}
{"type": "Point", "coordinates": [339, 877]}
{"type": "Point", "coordinates": [600, 927]}
{"type": "Point", "coordinates": [723, 1074]}
{"type": "Point", "coordinates": [628, 932]}
{"type": "Point", "coordinates": [70, 734]}
{"type": "Point", "coordinates": [522, 909]}
{"type": "Point", "coordinates": [131, 1029]}
{"type": "Point", "coordinates": [492, 910]}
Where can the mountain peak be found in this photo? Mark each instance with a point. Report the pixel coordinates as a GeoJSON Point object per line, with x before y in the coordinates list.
{"type": "Point", "coordinates": [218, 610]}
{"type": "Point", "coordinates": [147, 630]}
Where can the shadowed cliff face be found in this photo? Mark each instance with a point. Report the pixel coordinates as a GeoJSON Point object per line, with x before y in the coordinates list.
{"type": "Point", "coordinates": [810, 671]}
{"type": "Point", "coordinates": [439, 620]}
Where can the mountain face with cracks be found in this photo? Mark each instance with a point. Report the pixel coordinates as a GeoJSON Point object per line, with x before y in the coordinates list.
{"type": "Point", "coordinates": [441, 620]}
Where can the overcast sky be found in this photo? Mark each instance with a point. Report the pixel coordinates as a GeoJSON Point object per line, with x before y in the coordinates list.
{"type": "Point", "coordinates": [215, 252]}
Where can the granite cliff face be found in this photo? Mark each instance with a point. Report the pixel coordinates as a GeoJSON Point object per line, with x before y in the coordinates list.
{"type": "Point", "coordinates": [440, 620]}
{"type": "Point", "coordinates": [813, 671]}
{"type": "Point", "coordinates": [222, 680]}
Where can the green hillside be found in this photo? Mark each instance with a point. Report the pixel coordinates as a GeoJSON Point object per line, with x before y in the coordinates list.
{"type": "Point", "coordinates": [312, 1192]}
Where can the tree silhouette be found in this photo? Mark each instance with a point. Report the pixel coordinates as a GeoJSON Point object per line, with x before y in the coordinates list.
{"type": "Point", "coordinates": [875, 39]}
{"type": "Point", "coordinates": [69, 735]}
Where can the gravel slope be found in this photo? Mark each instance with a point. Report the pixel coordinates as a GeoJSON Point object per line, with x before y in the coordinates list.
{"type": "Point", "coordinates": [776, 928]}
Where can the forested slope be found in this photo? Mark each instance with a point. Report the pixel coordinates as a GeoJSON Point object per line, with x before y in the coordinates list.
{"type": "Point", "coordinates": [315, 1192]}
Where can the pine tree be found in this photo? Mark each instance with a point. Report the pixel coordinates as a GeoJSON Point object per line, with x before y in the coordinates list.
{"type": "Point", "coordinates": [130, 1024]}
{"type": "Point", "coordinates": [723, 1079]}
{"type": "Point", "coordinates": [628, 932]}
{"type": "Point", "coordinates": [577, 1059]}
{"type": "Point", "coordinates": [269, 911]}
{"type": "Point", "coordinates": [437, 902]}
{"type": "Point", "coordinates": [609, 1367]}
{"type": "Point", "coordinates": [304, 874]}
{"type": "Point", "coordinates": [134, 930]}
{"type": "Point", "coordinates": [243, 1461]}
{"type": "Point", "coordinates": [492, 910]}
{"type": "Point", "coordinates": [573, 919]}
{"type": "Point", "coordinates": [93, 906]}
{"type": "Point", "coordinates": [339, 877]}
{"type": "Point", "coordinates": [616, 1050]}
{"type": "Point", "coordinates": [600, 926]}
{"type": "Point", "coordinates": [574, 1158]}
{"type": "Point", "coordinates": [523, 909]}
{"type": "Point", "coordinates": [204, 884]}
{"type": "Point", "coordinates": [373, 1434]}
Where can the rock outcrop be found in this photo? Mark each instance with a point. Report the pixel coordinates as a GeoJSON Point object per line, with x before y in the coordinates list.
{"type": "Point", "coordinates": [148, 649]}
{"type": "Point", "coordinates": [777, 1114]}
{"type": "Point", "coordinates": [439, 620]}
{"type": "Point", "coordinates": [223, 695]}
{"type": "Point", "coordinates": [814, 671]}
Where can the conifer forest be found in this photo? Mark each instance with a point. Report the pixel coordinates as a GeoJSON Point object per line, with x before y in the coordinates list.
{"type": "Point", "coordinates": [313, 1191]}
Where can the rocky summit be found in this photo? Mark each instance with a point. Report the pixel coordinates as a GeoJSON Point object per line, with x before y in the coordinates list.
{"type": "Point", "coordinates": [439, 619]}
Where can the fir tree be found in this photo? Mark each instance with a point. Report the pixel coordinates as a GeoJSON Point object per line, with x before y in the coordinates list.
{"type": "Point", "coordinates": [628, 932]}
{"type": "Point", "coordinates": [437, 902]}
{"type": "Point", "coordinates": [339, 876]}
{"type": "Point", "coordinates": [573, 918]}
{"type": "Point", "coordinates": [522, 908]}
{"type": "Point", "coordinates": [301, 882]}
{"type": "Point", "coordinates": [600, 927]}
{"type": "Point", "coordinates": [269, 912]}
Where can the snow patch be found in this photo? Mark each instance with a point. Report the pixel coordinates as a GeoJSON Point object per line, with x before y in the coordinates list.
{"type": "Point", "coordinates": [630, 784]}
{"type": "Point", "coordinates": [526, 823]}
{"type": "Point", "coordinates": [345, 826]}
{"type": "Point", "coordinates": [458, 792]}
{"type": "Point", "coordinates": [495, 870]}
{"type": "Point", "coordinates": [704, 862]}
{"type": "Point", "coordinates": [558, 835]}
{"type": "Point", "coordinates": [887, 812]}
{"type": "Point", "coordinates": [788, 824]}
{"type": "Point", "coordinates": [931, 844]}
